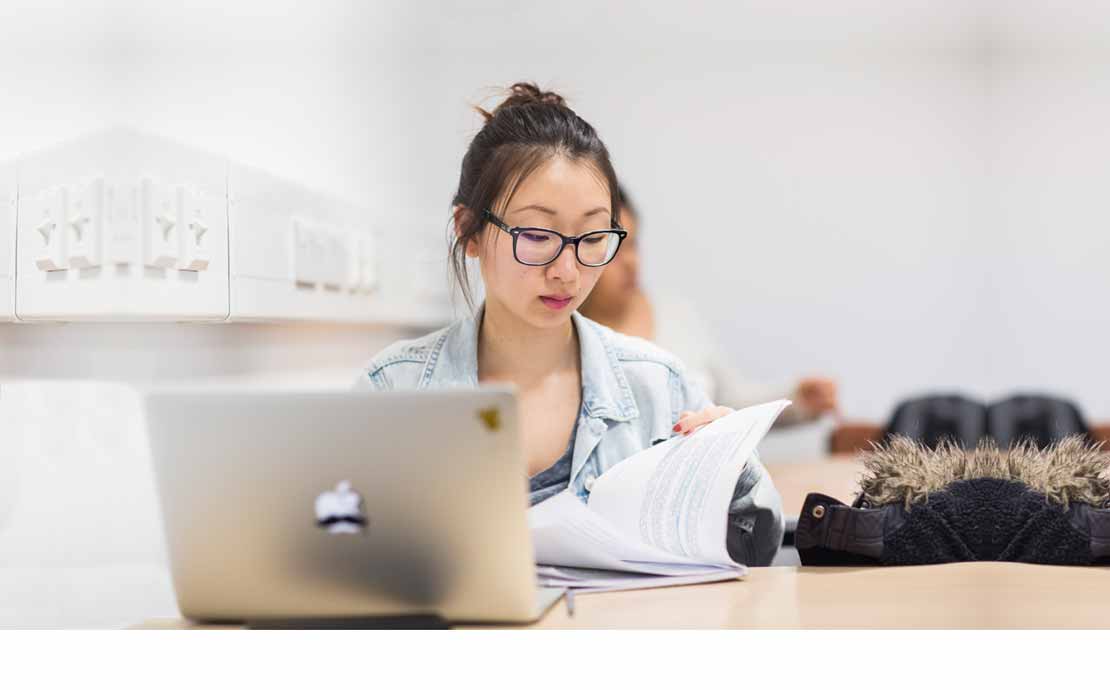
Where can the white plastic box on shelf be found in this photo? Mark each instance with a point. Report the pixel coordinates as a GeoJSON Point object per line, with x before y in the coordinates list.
{"type": "Point", "coordinates": [107, 226]}
{"type": "Point", "coordinates": [126, 226]}
{"type": "Point", "coordinates": [299, 255]}
{"type": "Point", "coordinates": [7, 243]}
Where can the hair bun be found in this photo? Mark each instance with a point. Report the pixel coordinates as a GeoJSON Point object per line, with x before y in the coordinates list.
{"type": "Point", "coordinates": [525, 93]}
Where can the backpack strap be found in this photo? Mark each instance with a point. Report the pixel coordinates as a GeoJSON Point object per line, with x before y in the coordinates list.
{"type": "Point", "coordinates": [832, 533]}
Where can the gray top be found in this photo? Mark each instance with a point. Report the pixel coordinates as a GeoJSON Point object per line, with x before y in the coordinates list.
{"type": "Point", "coordinates": [546, 483]}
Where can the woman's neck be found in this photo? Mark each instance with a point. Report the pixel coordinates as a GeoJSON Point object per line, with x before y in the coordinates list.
{"type": "Point", "coordinates": [511, 350]}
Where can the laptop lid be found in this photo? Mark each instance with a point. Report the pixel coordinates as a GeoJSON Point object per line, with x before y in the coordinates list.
{"type": "Point", "coordinates": [316, 504]}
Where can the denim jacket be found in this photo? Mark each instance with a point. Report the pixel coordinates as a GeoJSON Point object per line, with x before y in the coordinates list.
{"type": "Point", "coordinates": [632, 395]}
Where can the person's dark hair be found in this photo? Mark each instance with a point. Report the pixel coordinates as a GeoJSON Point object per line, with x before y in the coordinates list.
{"type": "Point", "coordinates": [529, 128]}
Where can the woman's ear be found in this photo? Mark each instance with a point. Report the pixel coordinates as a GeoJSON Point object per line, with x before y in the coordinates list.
{"type": "Point", "coordinates": [463, 217]}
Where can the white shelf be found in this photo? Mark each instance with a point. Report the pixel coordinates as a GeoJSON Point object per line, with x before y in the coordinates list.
{"type": "Point", "coordinates": [129, 227]}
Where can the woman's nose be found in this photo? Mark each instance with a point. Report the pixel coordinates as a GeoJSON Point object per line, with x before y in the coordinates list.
{"type": "Point", "coordinates": [565, 266]}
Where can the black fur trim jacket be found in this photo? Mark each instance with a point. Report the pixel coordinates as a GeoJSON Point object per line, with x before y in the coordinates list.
{"type": "Point", "coordinates": [918, 506]}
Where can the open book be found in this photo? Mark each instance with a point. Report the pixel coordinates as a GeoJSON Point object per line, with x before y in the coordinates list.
{"type": "Point", "coordinates": [656, 518]}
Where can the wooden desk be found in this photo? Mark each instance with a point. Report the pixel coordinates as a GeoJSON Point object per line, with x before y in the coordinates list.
{"type": "Point", "coordinates": [836, 476]}
{"type": "Point", "coordinates": [959, 595]}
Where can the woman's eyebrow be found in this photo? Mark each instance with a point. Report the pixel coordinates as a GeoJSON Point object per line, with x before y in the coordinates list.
{"type": "Point", "coordinates": [552, 212]}
{"type": "Point", "coordinates": [535, 207]}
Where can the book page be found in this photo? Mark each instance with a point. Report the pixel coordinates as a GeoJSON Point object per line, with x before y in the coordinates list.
{"type": "Point", "coordinates": [675, 496]}
{"type": "Point", "coordinates": [567, 533]}
{"type": "Point", "coordinates": [587, 580]}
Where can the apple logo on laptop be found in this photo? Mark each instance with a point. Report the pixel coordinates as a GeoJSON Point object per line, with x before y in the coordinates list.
{"type": "Point", "coordinates": [340, 511]}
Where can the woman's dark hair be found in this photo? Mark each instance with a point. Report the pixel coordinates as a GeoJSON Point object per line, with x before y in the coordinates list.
{"type": "Point", "coordinates": [529, 128]}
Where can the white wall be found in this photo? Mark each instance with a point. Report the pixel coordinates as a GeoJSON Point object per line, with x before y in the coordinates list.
{"type": "Point", "coordinates": [1050, 162]}
{"type": "Point", "coordinates": [903, 195]}
{"type": "Point", "coordinates": [811, 182]}
{"type": "Point", "coordinates": [294, 88]}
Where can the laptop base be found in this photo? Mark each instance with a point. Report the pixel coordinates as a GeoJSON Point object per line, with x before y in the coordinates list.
{"type": "Point", "coordinates": [338, 623]}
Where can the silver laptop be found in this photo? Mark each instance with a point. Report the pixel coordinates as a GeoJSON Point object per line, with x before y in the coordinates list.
{"type": "Point", "coordinates": [284, 506]}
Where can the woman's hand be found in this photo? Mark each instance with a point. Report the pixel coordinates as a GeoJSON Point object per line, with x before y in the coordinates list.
{"type": "Point", "coordinates": [689, 422]}
{"type": "Point", "coordinates": [816, 396]}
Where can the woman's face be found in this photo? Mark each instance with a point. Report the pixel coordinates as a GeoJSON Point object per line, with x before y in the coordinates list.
{"type": "Point", "coordinates": [562, 195]}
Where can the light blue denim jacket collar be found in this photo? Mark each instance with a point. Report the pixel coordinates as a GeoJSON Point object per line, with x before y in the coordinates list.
{"type": "Point", "coordinates": [606, 394]}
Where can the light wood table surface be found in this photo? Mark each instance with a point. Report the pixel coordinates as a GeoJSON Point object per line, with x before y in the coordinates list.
{"type": "Point", "coordinates": [836, 476]}
{"type": "Point", "coordinates": [957, 595]}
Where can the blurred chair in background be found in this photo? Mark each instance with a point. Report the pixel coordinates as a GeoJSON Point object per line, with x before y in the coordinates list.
{"type": "Point", "coordinates": [1039, 419]}
{"type": "Point", "coordinates": [934, 418]}
{"type": "Point", "coordinates": [620, 302]}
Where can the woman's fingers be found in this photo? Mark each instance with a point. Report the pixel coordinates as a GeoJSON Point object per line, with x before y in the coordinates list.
{"type": "Point", "coordinates": [682, 419]}
{"type": "Point", "coordinates": [688, 422]}
{"type": "Point", "coordinates": [700, 419]}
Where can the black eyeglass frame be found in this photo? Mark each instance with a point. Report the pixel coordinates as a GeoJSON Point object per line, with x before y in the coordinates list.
{"type": "Point", "coordinates": [515, 233]}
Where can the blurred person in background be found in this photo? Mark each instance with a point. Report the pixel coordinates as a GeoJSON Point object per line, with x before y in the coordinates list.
{"type": "Point", "coordinates": [620, 302]}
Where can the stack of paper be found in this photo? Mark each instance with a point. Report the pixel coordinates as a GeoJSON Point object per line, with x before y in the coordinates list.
{"type": "Point", "coordinates": [657, 518]}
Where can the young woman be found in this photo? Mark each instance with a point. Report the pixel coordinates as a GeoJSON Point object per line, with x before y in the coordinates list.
{"type": "Point", "coordinates": [536, 206]}
{"type": "Point", "coordinates": [620, 302]}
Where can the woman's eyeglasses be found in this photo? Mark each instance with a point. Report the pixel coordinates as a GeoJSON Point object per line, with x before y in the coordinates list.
{"type": "Point", "coordinates": [540, 246]}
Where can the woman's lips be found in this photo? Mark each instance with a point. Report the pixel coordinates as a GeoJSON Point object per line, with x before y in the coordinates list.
{"type": "Point", "coordinates": [556, 304]}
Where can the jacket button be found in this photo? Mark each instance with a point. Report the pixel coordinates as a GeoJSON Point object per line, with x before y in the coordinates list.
{"type": "Point", "coordinates": [589, 483]}
{"type": "Point", "coordinates": [818, 511]}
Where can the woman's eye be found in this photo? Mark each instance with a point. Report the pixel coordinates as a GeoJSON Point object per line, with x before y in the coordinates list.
{"type": "Point", "coordinates": [535, 236]}
{"type": "Point", "coordinates": [595, 239]}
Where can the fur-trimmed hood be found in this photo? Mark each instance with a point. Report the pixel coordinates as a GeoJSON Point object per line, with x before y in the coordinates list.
{"type": "Point", "coordinates": [904, 471]}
